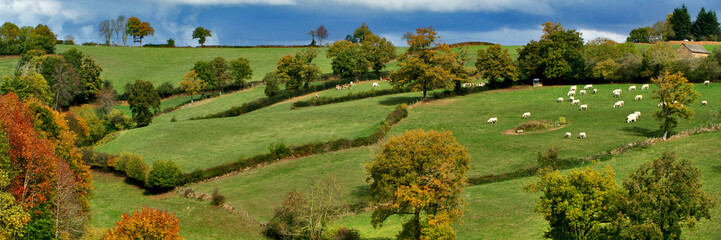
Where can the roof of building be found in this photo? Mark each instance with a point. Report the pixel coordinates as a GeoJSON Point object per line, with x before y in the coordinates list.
{"type": "Point", "coordinates": [696, 48]}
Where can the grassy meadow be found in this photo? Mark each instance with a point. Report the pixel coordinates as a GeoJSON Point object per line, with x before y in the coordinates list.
{"type": "Point", "coordinates": [200, 144]}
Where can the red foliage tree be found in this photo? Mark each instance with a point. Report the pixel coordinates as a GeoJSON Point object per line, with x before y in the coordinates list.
{"type": "Point", "coordinates": [32, 157]}
{"type": "Point", "coordinates": [321, 33]}
{"type": "Point", "coordinates": [147, 223]}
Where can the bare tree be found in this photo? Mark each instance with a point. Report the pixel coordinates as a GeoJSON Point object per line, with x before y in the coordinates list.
{"type": "Point", "coordinates": [120, 27]}
{"type": "Point", "coordinates": [105, 29]}
{"type": "Point", "coordinates": [70, 217]}
{"type": "Point", "coordinates": [65, 85]}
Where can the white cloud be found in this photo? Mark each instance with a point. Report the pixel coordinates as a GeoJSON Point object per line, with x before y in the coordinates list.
{"type": "Point", "coordinates": [504, 36]}
{"type": "Point", "coordinates": [232, 2]}
{"type": "Point", "coordinates": [590, 34]}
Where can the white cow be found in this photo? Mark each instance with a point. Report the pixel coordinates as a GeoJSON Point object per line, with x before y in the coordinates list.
{"type": "Point", "coordinates": [638, 98]}
{"type": "Point", "coordinates": [589, 86]}
{"type": "Point", "coordinates": [582, 135]}
{"type": "Point", "coordinates": [573, 88]}
{"type": "Point", "coordinates": [570, 99]}
{"type": "Point", "coordinates": [706, 83]}
{"type": "Point", "coordinates": [632, 88]}
{"type": "Point", "coordinates": [526, 115]}
{"type": "Point", "coordinates": [583, 107]}
{"type": "Point", "coordinates": [704, 102]}
{"type": "Point", "coordinates": [576, 102]}
{"type": "Point", "coordinates": [559, 100]}
{"type": "Point", "coordinates": [645, 86]}
{"type": "Point", "coordinates": [638, 114]}
{"type": "Point", "coordinates": [567, 135]}
{"type": "Point", "coordinates": [492, 120]}
{"type": "Point", "coordinates": [595, 91]}
{"type": "Point", "coordinates": [617, 94]}
{"type": "Point", "coordinates": [375, 84]}
{"type": "Point", "coordinates": [571, 93]}
{"type": "Point", "coordinates": [582, 92]}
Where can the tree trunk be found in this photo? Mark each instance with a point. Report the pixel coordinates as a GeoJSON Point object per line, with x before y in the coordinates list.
{"type": "Point", "coordinates": [417, 219]}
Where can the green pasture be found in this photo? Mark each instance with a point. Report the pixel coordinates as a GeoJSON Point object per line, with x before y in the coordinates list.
{"type": "Point", "coordinates": [492, 151]}
{"type": "Point", "coordinates": [504, 210]}
{"type": "Point", "coordinates": [201, 144]}
{"type": "Point", "coordinates": [124, 65]}
{"type": "Point", "coordinates": [198, 220]}
{"type": "Point", "coordinates": [212, 105]}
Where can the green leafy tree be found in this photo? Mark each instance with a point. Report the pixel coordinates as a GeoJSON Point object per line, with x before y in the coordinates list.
{"type": "Point", "coordinates": [675, 93]}
{"type": "Point", "coordinates": [425, 68]}
{"type": "Point", "coordinates": [496, 64]}
{"type": "Point", "coordinates": [144, 102]}
{"type": "Point", "coordinates": [557, 56]}
{"type": "Point", "coordinates": [205, 72]}
{"type": "Point", "coordinates": [219, 68]}
{"type": "Point", "coordinates": [88, 73]}
{"type": "Point", "coordinates": [271, 81]}
{"type": "Point", "coordinates": [681, 23]}
{"type": "Point", "coordinates": [639, 35]}
{"type": "Point", "coordinates": [706, 26]}
{"type": "Point", "coordinates": [41, 38]}
{"type": "Point", "coordinates": [376, 50]}
{"type": "Point", "coordinates": [136, 168]}
{"type": "Point", "coordinates": [240, 70]}
{"type": "Point", "coordinates": [575, 205]}
{"type": "Point", "coordinates": [201, 33]}
{"type": "Point", "coordinates": [10, 43]}
{"type": "Point", "coordinates": [164, 174]}
{"type": "Point", "coordinates": [658, 58]}
{"type": "Point", "coordinates": [347, 59]}
{"type": "Point", "coordinates": [664, 196]}
{"type": "Point", "coordinates": [361, 32]}
{"type": "Point", "coordinates": [26, 85]}
{"type": "Point", "coordinates": [422, 174]}
{"type": "Point", "coordinates": [299, 70]}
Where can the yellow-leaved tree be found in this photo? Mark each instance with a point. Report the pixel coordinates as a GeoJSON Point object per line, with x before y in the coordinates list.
{"type": "Point", "coordinates": [422, 174]}
{"type": "Point", "coordinates": [674, 93]}
{"type": "Point", "coordinates": [192, 84]}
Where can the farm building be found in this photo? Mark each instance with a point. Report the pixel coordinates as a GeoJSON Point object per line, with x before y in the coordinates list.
{"type": "Point", "coordinates": [692, 51]}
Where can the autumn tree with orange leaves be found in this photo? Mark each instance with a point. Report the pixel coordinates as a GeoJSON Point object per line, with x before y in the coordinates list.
{"type": "Point", "coordinates": [139, 29]}
{"type": "Point", "coordinates": [147, 223]}
{"type": "Point", "coordinates": [45, 168]}
{"type": "Point", "coordinates": [422, 174]}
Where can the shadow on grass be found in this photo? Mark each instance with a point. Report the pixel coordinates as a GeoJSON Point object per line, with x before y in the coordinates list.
{"type": "Point", "coordinates": [717, 168]}
{"type": "Point", "coordinates": [398, 100]}
{"type": "Point", "coordinates": [643, 132]}
{"type": "Point", "coordinates": [141, 185]}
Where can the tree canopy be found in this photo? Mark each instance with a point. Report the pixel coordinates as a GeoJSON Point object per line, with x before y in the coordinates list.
{"type": "Point", "coordinates": [422, 174]}
{"type": "Point", "coordinates": [144, 102]}
{"type": "Point", "coordinates": [557, 56]}
{"type": "Point", "coordinates": [496, 65]}
{"type": "Point", "coordinates": [201, 33]}
{"type": "Point", "coordinates": [681, 23]}
{"type": "Point", "coordinates": [139, 29]}
{"type": "Point", "coordinates": [674, 94]}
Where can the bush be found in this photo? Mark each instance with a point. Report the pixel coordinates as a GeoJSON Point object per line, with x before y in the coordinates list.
{"type": "Point", "coordinates": [166, 89]}
{"type": "Point", "coordinates": [278, 150]}
{"type": "Point", "coordinates": [549, 159]}
{"type": "Point", "coordinates": [147, 223]}
{"type": "Point", "coordinates": [164, 174]}
{"type": "Point", "coordinates": [217, 199]}
{"type": "Point", "coordinates": [173, 119]}
{"type": "Point", "coordinates": [561, 121]}
{"type": "Point", "coordinates": [116, 120]}
{"type": "Point", "coordinates": [531, 126]}
{"type": "Point", "coordinates": [97, 159]}
{"type": "Point", "coordinates": [122, 160]}
{"type": "Point", "coordinates": [134, 167]}
{"type": "Point", "coordinates": [342, 233]}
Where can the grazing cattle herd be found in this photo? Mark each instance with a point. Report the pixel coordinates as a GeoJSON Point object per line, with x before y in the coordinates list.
{"type": "Point", "coordinates": [633, 117]}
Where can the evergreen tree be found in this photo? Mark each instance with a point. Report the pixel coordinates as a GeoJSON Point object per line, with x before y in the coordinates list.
{"type": "Point", "coordinates": [706, 26]}
{"type": "Point", "coordinates": [681, 23]}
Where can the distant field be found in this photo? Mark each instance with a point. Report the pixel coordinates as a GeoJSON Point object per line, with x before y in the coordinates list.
{"type": "Point", "coordinates": [124, 65]}
{"type": "Point", "coordinates": [492, 151]}
{"type": "Point", "coordinates": [206, 143]}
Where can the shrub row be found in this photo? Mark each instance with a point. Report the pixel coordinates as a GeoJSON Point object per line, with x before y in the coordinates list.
{"type": "Point", "coordinates": [350, 97]}
{"type": "Point", "coordinates": [458, 92]}
{"type": "Point", "coordinates": [163, 174]}
{"type": "Point", "coordinates": [264, 102]}
{"type": "Point", "coordinates": [280, 151]}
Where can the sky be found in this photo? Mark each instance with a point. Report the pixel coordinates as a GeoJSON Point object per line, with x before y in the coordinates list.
{"type": "Point", "coordinates": [287, 22]}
